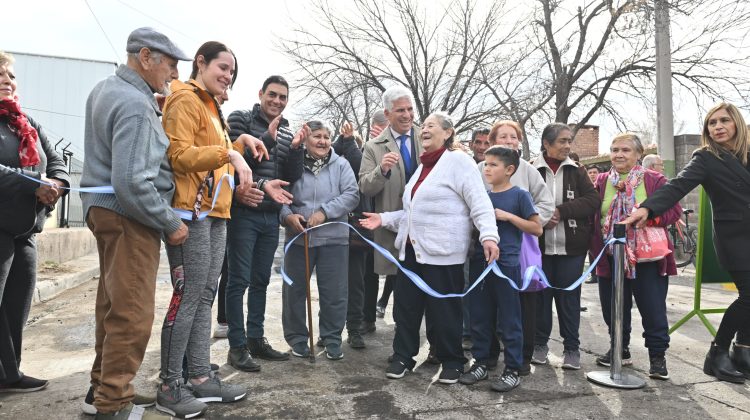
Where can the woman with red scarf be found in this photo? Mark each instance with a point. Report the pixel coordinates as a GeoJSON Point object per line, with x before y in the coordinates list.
{"type": "Point", "coordinates": [24, 150]}
{"type": "Point", "coordinates": [622, 189]}
{"type": "Point", "coordinates": [442, 201]}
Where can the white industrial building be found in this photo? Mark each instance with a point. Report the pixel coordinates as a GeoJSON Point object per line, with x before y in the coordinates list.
{"type": "Point", "coordinates": [53, 91]}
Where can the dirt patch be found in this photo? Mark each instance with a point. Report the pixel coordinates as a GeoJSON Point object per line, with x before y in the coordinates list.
{"type": "Point", "coordinates": [51, 267]}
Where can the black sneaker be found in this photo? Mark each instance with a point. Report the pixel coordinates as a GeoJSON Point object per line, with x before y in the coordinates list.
{"type": "Point", "coordinates": [396, 370]}
{"type": "Point", "coordinates": [333, 351]}
{"type": "Point", "coordinates": [507, 381]}
{"type": "Point", "coordinates": [606, 359]}
{"type": "Point", "coordinates": [260, 348]}
{"type": "Point", "coordinates": [301, 349]}
{"type": "Point", "coordinates": [449, 376]}
{"type": "Point", "coordinates": [355, 340]}
{"type": "Point", "coordinates": [25, 384]}
{"type": "Point", "coordinates": [240, 358]}
{"type": "Point", "coordinates": [320, 342]}
{"type": "Point", "coordinates": [658, 368]}
{"type": "Point", "coordinates": [475, 374]}
{"type": "Point", "coordinates": [380, 311]}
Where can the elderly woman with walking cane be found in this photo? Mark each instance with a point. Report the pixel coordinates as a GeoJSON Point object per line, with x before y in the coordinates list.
{"type": "Point", "coordinates": [326, 192]}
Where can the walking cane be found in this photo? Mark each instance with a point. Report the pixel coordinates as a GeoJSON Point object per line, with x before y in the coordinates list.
{"type": "Point", "coordinates": [309, 298]}
{"type": "Point", "coordinates": [616, 378]}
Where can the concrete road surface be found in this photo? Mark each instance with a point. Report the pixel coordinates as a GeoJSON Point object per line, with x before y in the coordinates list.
{"type": "Point", "coordinates": [58, 345]}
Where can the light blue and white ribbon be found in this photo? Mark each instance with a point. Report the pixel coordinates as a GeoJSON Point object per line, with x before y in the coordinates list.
{"type": "Point", "coordinates": [183, 214]}
{"type": "Point", "coordinates": [188, 215]}
{"type": "Point", "coordinates": [528, 275]}
{"type": "Point", "coordinates": [96, 190]}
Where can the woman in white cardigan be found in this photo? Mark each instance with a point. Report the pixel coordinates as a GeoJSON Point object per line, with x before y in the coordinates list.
{"type": "Point", "coordinates": [443, 200]}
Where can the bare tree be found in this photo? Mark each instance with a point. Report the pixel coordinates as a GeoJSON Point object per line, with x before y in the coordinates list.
{"type": "Point", "coordinates": [559, 60]}
{"type": "Point", "coordinates": [435, 53]}
{"type": "Point", "coordinates": [606, 47]}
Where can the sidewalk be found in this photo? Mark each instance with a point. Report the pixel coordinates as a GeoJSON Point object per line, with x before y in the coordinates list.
{"type": "Point", "coordinates": [60, 337]}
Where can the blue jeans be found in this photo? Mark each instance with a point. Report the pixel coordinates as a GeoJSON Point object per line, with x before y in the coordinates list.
{"type": "Point", "coordinates": [496, 309]}
{"type": "Point", "coordinates": [650, 292]}
{"type": "Point", "coordinates": [252, 239]}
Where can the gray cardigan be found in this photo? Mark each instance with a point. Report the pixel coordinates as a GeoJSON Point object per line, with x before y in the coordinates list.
{"type": "Point", "coordinates": [334, 190]}
{"type": "Point", "coordinates": [21, 212]}
{"type": "Point", "coordinates": [126, 148]}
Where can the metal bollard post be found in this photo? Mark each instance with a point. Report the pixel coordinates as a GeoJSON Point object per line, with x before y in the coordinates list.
{"type": "Point", "coordinates": [615, 378]}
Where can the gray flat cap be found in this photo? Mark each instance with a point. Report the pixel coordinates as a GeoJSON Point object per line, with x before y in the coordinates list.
{"type": "Point", "coordinates": [149, 38]}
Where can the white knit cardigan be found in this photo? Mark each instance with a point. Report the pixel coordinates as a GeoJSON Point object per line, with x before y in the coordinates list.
{"type": "Point", "coordinates": [438, 220]}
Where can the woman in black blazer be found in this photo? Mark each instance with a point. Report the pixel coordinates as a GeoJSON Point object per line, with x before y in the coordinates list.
{"type": "Point", "coordinates": [24, 207]}
{"type": "Point", "coordinates": [722, 167]}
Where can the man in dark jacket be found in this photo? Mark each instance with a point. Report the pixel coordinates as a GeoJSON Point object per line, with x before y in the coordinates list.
{"type": "Point", "coordinates": [359, 250]}
{"type": "Point", "coordinates": [253, 232]}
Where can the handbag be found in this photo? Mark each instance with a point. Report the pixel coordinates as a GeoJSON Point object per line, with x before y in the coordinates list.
{"type": "Point", "coordinates": [651, 244]}
{"type": "Point", "coordinates": [530, 255]}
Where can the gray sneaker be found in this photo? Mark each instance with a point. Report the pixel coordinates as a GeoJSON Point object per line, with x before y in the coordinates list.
{"type": "Point", "coordinates": [571, 359]}
{"type": "Point", "coordinates": [540, 355]}
{"type": "Point", "coordinates": [214, 390]}
{"type": "Point", "coordinates": [178, 401]}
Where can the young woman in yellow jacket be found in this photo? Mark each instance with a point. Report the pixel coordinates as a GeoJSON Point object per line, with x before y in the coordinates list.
{"type": "Point", "coordinates": [204, 163]}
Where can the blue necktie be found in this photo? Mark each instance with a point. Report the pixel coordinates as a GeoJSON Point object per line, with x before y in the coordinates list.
{"type": "Point", "coordinates": [405, 155]}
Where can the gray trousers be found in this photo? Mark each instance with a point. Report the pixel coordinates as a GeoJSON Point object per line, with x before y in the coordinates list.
{"type": "Point", "coordinates": [330, 263]}
{"type": "Point", "coordinates": [194, 266]}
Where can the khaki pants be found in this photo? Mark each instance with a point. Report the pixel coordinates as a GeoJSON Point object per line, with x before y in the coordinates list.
{"type": "Point", "coordinates": [128, 260]}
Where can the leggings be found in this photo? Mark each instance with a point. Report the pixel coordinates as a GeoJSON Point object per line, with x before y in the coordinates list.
{"type": "Point", "coordinates": [736, 319]}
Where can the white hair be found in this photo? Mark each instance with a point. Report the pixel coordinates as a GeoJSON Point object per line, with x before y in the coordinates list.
{"type": "Point", "coordinates": [650, 160]}
{"type": "Point", "coordinates": [378, 118]}
{"type": "Point", "coordinates": [156, 55]}
{"type": "Point", "coordinates": [394, 93]}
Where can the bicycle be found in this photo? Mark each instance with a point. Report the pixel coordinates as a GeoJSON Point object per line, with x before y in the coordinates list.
{"type": "Point", "coordinates": [685, 241]}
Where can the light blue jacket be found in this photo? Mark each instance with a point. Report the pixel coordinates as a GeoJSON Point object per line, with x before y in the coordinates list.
{"type": "Point", "coordinates": [334, 190]}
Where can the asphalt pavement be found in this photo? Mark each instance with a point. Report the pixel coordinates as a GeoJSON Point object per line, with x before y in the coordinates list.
{"type": "Point", "coordinates": [59, 339]}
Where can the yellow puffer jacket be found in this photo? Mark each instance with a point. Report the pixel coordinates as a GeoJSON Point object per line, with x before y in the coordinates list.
{"type": "Point", "coordinates": [198, 143]}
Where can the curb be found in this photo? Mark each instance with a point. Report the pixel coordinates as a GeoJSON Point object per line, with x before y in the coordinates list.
{"type": "Point", "coordinates": [83, 269]}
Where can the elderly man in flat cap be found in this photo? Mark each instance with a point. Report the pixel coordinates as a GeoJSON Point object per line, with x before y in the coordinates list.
{"type": "Point", "coordinates": [125, 147]}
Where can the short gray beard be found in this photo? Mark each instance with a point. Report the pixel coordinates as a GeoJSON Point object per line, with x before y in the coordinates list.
{"type": "Point", "coordinates": [166, 90]}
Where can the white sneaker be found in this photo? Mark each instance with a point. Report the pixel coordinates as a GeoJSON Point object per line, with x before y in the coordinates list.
{"type": "Point", "coordinates": [220, 330]}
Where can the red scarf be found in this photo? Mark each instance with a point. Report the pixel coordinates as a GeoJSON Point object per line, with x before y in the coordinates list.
{"type": "Point", "coordinates": [428, 159]}
{"type": "Point", "coordinates": [19, 125]}
{"type": "Point", "coordinates": [553, 163]}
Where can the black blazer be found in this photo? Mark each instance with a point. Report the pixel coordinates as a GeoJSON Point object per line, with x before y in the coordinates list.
{"type": "Point", "coordinates": [727, 183]}
{"type": "Point", "coordinates": [20, 211]}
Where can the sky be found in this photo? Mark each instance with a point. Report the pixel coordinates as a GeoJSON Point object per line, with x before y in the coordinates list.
{"type": "Point", "coordinates": [98, 29]}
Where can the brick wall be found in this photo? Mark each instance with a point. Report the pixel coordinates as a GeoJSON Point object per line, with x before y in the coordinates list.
{"type": "Point", "coordinates": [586, 142]}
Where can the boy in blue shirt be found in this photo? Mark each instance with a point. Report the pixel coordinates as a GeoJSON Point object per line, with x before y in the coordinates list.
{"type": "Point", "coordinates": [495, 301]}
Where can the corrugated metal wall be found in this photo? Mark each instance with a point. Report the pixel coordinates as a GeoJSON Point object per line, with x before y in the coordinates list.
{"type": "Point", "coordinates": [53, 91]}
